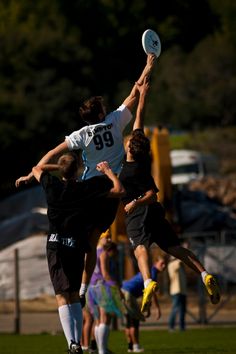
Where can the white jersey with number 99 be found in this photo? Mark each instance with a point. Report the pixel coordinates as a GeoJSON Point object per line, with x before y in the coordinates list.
{"type": "Point", "coordinates": [101, 142]}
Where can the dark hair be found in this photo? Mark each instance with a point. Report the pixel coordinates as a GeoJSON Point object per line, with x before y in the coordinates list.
{"type": "Point", "coordinates": [139, 145]}
{"type": "Point", "coordinates": [68, 165]}
{"type": "Point", "coordinates": [90, 109]}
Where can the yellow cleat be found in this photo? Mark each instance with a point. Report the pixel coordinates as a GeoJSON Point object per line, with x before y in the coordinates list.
{"type": "Point", "coordinates": [147, 296]}
{"type": "Point", "coordinates": [212, 289]}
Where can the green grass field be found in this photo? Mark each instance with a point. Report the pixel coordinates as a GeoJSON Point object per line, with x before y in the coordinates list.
{"type": "Point", "coordinates": [218, 340]}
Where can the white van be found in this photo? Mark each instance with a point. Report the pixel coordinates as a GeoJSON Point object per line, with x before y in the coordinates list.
{"type": "Point", "coordinates": [189, 164]}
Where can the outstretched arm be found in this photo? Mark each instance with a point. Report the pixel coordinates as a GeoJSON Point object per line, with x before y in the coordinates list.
{"type": "Point", "coordinates": [130, 101]}
{"type": "Point", "coordinates": [148, 68]}
{"type": "Point", "coordinates": [38, 170]}
{"type": "Point", "coordinates": [59, 149]}
{"type": "Point", "coordinates": [139, 119]}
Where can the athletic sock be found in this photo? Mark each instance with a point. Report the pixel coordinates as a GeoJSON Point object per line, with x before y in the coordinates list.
{"type": "Point", "coordinates": [96, 335]}
{"type": "Point", "coordinates": [136, 346]}
{"type": "Point", "coordinates": [203, 275]}
{"type": "Point", "coordinates": [102, 335]}
{"type": "Point", "coordinates": [83, 289]}
{"type": "Point", "coordinates": [77, 315]}
{"type": "Point", "coordinates": [147, 282]}
{"type": "Point", "coordinates": [67, 323]}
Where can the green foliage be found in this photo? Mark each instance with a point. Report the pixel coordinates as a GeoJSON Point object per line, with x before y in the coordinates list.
{"type": "Point", "coordinates": [56, 53]}
{"type": "Point", "coordinates": [180, 141]}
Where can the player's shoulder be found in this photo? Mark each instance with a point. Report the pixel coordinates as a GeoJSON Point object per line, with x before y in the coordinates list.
{"type": "Point", "coordinates": [119, 110]}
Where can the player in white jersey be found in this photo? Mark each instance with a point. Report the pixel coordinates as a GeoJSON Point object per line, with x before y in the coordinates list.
{"type": "Point", "coordinates": [103, 140]}
{"type": "Point", "coordinates": [102, 137]}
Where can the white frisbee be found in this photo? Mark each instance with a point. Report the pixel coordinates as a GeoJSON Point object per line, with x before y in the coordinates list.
{"type": "Point", "coordinates": [151, 42]}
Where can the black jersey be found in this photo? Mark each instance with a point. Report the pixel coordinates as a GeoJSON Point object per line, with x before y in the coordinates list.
{"type": "Point", "coordinates": [73, 205]}
{"type": "Point", "coordinates": [137, 179]}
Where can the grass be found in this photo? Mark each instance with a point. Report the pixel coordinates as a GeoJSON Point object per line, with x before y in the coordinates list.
{"type": "Point", "coordinates": [215, 340]}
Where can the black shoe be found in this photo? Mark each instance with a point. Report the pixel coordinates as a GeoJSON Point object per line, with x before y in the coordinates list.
{"type": "Point", "coordinates": [75, 348]}
{"type": "Point", "coordinates": [93, 345]}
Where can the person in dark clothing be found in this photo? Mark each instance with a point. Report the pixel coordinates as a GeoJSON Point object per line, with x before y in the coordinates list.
{"type": "Point", "coordinates": [145, 217]}
{"type": "Point", "coordinates": [71, 213]}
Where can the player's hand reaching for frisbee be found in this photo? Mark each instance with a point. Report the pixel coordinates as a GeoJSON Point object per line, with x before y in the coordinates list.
{"type": "Point", "coordinates": [151, 59]}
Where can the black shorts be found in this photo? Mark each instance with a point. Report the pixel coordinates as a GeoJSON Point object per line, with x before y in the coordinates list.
{"type": "Point", "coordinates": [147, 224]}
{"type": "Point", "coordinates": [107, 213]}
{"type": "Point", "coordinates": [131, 322]}
{"type": "Point", "coordinates": [65, 266]}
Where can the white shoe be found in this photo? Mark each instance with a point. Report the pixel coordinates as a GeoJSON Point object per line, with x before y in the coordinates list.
{"type": "Point", "coordinates": [138, 350]}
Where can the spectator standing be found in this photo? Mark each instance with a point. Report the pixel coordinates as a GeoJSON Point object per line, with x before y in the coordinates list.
{"type": "Point", "coordinates": [178, 292]}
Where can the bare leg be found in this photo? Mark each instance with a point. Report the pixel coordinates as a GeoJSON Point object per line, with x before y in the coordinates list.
{"type": "Point", "coordinates": [87, 328]}
{"type": "Point", "coordinates": [91, 257]}
{"type": "Point", "coordinates": [142, 256]}
{"type": "Point", "coordinates": [134, 334]}
{"type": "Point", "coordinates": [187, 257]}
{"type": "Point", "coordinates": [127, 335]}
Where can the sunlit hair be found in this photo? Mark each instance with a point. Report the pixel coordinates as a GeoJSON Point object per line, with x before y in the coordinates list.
{"type": "Point", "coordinates": [139, 145]}
{"type": "Point", "coordinates": [68, 165]}
{"type": "Point", "coordinates": [106, 234]}
{"type": "Point", "coordinates": [90, 110]}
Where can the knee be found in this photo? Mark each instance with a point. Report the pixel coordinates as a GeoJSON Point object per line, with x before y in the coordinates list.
{"type": "Point", "coordinates": [140, 250]}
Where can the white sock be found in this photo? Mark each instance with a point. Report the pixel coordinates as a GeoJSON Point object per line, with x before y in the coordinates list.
{"type": "Point", "coordinates": [136, 346]}
{"type": "Point", "coordinates": [77, 315]}
{"type": "Point", "coordinates": [203, 275]}
{"type": "Point", "coordinates": [96, 335]}
{"type": "Point", "coordinates": [83, 289]}
{"type": "Point", "coordinates": [102, 335]}
{"type": "Point", "coordinates": [147, 282]}
{"type": "Point", "coordinates": [67, 323]}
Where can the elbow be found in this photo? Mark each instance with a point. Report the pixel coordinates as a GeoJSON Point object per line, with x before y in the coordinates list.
{"type": "Point", "coordinates": [117, 192]}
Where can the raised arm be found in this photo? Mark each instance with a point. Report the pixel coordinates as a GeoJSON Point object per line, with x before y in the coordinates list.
{"type": "Point", "coordinates": [146, 73]}
{"type": "Point", "coordinates": [130, 101]}
{"type": "Point", "coordinates": [50, 155]}
{"type": "Point", "coordinates": [38, 170]}
{"type": "Point", "coordinates": [117, 190]}
{"type": "Point", "coordinates": [139, 119]}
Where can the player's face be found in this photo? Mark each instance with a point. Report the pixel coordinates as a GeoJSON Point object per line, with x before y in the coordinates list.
{"type": "Point", "coordinates": [127, 146]}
